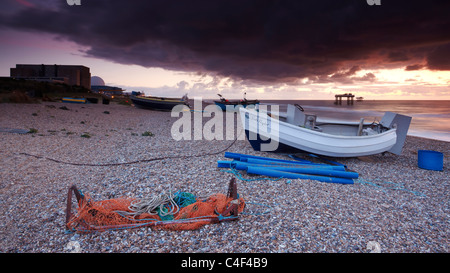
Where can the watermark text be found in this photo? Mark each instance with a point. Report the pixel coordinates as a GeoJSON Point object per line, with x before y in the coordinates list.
{"type": "Point", "coordinates": [228, 125]}
{"type": "Point", "coordinates": [73, 2]}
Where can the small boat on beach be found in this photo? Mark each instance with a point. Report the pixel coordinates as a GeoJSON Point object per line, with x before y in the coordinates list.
{"type": "Point", "coordinates": [334, 138]}
{"type": "Point", "coordinates": [223, 103]}
{"type": "Point", "coordinates": [158, 103]}
{"type": "Point", "coordinates": [74, 100]}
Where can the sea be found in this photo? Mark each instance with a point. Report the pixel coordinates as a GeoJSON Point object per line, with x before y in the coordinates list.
{"type": "Point", "coordinates": [430, 118]}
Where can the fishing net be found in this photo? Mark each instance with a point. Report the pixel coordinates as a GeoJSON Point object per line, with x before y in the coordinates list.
{"type": "Point", "coordinates": [179, 211]}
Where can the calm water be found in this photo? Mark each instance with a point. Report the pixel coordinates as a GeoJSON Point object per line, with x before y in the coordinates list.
{"type": "Point", "coordinates": [430, 119]}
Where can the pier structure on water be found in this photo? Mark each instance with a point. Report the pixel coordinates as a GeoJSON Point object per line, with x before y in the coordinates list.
{"type": "Point", "coordinates": [349, 97]}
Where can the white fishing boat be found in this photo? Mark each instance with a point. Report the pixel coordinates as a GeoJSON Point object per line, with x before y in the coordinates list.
{"type": "Point", "coordinates": [295, 129]}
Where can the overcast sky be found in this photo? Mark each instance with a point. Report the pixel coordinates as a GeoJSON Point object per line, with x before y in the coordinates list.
{"type": "Point", "coordinates": [269, 49]}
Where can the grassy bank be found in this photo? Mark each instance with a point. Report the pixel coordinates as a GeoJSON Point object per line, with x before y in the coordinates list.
{"type": "Point", "coordinates": [27, 91]}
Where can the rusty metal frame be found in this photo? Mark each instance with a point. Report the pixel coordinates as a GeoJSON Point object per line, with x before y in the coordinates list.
{"type": "Point", "coordinates": [232, 193]}
{"type": "Point", "coordinates": [78, 195]}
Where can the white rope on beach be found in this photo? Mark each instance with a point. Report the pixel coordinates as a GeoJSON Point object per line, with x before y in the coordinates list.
{"type": "Point", "coordinates": [150, 205]}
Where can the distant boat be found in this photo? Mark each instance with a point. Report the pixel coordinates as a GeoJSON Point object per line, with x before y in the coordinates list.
{"type": "Point", "coordinates": [296, 129]}
{"type": "Point", "coordinates": [223, 103]}
{"type": "Point", "coordinates": [74, 100]}
{"type": "Point", "coordinates": [359, 98]}
{"type": "Point", "coordinates": [158, 103]}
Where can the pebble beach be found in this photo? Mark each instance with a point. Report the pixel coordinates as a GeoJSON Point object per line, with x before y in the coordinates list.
{"type": "Point", "coordinates": [393, 207]}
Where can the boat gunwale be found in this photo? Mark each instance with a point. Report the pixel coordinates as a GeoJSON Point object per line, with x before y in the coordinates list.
{"type": "Point", "coordinates": [322, 134]}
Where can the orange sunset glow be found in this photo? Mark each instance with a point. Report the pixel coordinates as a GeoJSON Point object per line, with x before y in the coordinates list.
{"type": "Point", "coordinates": [286, 54]}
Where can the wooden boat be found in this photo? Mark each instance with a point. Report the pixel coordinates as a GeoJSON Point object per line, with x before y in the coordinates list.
{"type": "Point", "coordinates": [298, 130]}
{"type": "Point", "coordinates": [223, 103]}
{"type": "Point", "coordinates": [74, 100]}
{"type": "Point", "coordinates": [158, 103]}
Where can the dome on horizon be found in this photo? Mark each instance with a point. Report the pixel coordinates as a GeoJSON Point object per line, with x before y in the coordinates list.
{"type": "Point", "coordinates": [95, 80]}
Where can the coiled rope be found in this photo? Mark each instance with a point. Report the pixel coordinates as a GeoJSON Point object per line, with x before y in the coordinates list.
{"type": "Point", "coordinates": [162, 204]}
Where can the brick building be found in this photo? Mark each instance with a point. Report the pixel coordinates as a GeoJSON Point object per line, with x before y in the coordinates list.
{"type": "Point", "coordinates": [69, 74]}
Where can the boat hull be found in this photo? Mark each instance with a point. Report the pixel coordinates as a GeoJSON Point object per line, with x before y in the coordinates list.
{"type": "Point", "coordinates": [282, 134]}
{"type": "Point", "coordinates": [156, 103]}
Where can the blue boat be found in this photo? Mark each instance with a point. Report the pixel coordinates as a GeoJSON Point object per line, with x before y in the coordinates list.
{"type": "Point", "coordinates": [223, 103]}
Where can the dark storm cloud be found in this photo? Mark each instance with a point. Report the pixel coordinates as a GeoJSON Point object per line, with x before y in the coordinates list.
{"type": "Point", "coordinates": [439, 58]}
{"type": "Point", "coordinates": [414, 67]}
{"type": "Point", "coordinates": [257, 40]}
